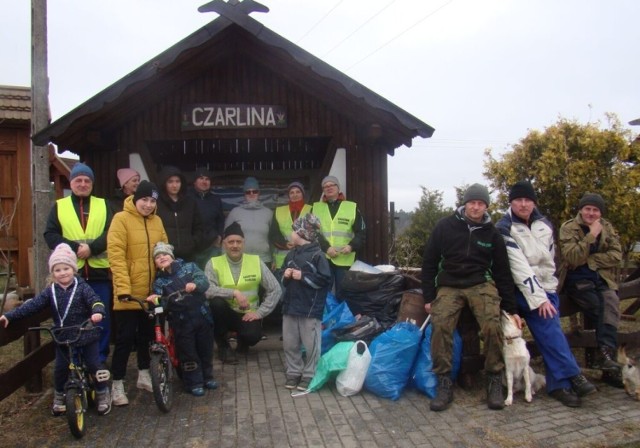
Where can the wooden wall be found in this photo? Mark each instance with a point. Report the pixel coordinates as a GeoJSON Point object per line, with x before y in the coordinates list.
{"type": "Point", "coordinates": [241, 80]}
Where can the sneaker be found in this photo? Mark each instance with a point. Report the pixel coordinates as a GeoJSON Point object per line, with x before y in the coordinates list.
{"type": "Point", "coordinates": [103, 401]}
{"type": "Point", "coordinates": [59, 406]}
{"type": "Point", "coordinates": [211, 385]}
{"type": "Point", "coordinates": [495, 394]}
{"type": "Point", "coordinates": [444, 394]}
{"type": "Point", "coordinates": [197, 391]}
{"type": "Point", "coordinates": [582, 386]}
{"type": "Point", "coordinates": [291, 383]}
{"type": "Point", "coordinates": [118, 397]}
{"type": "Point", "coordinates": [303, 384]}
{"type": "Point", "coordinates": [567, 397]}
{"type": "Point", "coordinates": [144, 380]}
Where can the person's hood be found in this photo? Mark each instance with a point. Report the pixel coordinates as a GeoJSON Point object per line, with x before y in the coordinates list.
{"type": "Point", "coordinates": [165, 174]}
{"type": "Point", "coordinates": [251, 205]}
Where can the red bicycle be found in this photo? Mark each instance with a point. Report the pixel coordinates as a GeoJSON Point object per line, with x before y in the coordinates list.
{"type": "Point", "coordinates": [163, 355]}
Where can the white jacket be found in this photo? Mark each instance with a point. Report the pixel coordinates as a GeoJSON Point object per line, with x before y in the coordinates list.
{"type": "Point", "coordinates": [531, 251]}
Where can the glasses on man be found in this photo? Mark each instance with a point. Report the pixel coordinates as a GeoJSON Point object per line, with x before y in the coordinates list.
{"type": "Point", "coordinates": [326, 186]}
{"type": "Point", "coordinates": [252, 191]}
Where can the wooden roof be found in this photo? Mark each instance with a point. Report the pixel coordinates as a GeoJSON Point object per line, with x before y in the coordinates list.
{"type": "Point", "coordinates": [231, 33]}
{"type": "Point", "coordinates": [15, 103]}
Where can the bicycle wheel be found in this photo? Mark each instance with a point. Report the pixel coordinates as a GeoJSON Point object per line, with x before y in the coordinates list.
{"type": "Point", "coordinates": [161, 376]}
{"type": "Point", "coordinates": [76, 402]}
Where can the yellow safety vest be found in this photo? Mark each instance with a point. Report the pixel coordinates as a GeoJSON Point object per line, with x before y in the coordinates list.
{"type": "Point", "coordinates": [248, 282]}
{"type": "Point", "coordinates": [283, 218]}
{"type": "Point", "coordinates": [339, 230]}
{"type": "Point", "coordinates": [72, 228]}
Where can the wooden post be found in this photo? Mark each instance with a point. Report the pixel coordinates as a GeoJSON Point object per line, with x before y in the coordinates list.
{"type": "Point", "coordinates": [39, 158]}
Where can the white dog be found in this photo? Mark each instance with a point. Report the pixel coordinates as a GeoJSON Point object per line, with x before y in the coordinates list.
{"type": "Point", "coordinates": [516, 359]}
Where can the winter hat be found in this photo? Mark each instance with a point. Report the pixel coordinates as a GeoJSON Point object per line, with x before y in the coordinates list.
{"type": "Point", "coordinates": [251, 183]}
{"type": "Point", "coordinates": [332, 179]}
{"type": "Point", "coordinates": [80, 169]}
{"type": "Point", "coordinates": [307, 227]}
{"type": "Point", "coordinates": [202, 172]}
{"type": "Point", "coordinates": [477, 192]}
{"type": "Point", "coordinates": [63, 254]}
{"type": "Point", "coordinates": [593, 199]}
{"type": "Point", "coordinates": [163, 248]}
{"type": "Point", "coordinates": [146, 189]}
{"type": "Point", "coordinates": [522, 189]}
{"type": "Point", "coordinates": [233, 229]}
{"type": "Point", "coordinates": [125, 175]}
{"type": "Point", "coordinates": [296, 185]}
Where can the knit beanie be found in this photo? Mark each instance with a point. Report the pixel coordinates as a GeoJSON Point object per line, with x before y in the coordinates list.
{"type": "Point", "coordinates": [332, 179]}
{"type": "Point", "coordinates": [477, 192]}
{"type": "Point", "coordinates": [146, 189]}
{"type": "Point", "coordinates": [233, 229]}
{"type": "Point", "coordinates": [296, 185]}
{"type": "Point", "coordinates": [522, 189]}
{"type": "Point", "coordinates": [80, 169]}
{"type": "Point", "coordinates": [251, 183]}
{"type": "Point", "coordinates": [125, 175]}
{"type": "Point", "coordinates": [63, 254]}
{"type": "Point", "coordinates": [163, 248]}
{"type": "Point", "coordinates": [307, 227]}
{"type": "Point", "coordinates": [202, 172]}
{"type": "Point", "coordinates": [593, 199]}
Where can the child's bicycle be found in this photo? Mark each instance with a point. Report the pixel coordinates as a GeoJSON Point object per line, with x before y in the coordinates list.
{"type": "Point", "coordinates": [79, 388]}
{"type": "Point", "coordinates": [163, 355]}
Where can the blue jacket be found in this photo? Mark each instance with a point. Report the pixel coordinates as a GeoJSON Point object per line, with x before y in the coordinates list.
{"type": "Point", "coordinates": [306, 297]}
{"type": "Point", "coordinates": [193, 304]}
{"type": "Point", "coordinates": [85, 303]}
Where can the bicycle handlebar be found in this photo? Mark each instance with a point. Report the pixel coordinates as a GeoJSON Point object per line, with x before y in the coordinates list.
{"type": "Point", "coordinates": [55, 332]}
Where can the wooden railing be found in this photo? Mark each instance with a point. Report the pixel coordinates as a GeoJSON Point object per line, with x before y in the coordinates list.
{"type": "Point", "coordinates": [28, 371]}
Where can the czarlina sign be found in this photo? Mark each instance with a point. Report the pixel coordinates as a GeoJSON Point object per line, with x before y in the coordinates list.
{"type": "Point", "coordinates": [232, 116]}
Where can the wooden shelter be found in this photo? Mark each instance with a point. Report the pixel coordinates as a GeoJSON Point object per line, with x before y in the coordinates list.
{"type": "Point", "coordinates": [238, 98]}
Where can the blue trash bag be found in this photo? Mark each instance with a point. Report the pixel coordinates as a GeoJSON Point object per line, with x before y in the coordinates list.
{"type": "Point", "coordinates": [340, 316]}
{"type": "Point", "coordinates": [392, 356]}
{"type": "Point", "coordinates": [331, 303]}
{"type": "Point", "coordinates": [422, 377]}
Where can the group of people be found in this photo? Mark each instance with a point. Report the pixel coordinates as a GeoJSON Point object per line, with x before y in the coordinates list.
{"type": "Point", "coordinates": [148, 242]}
{"type": "Point", "coordinates": [510, 266]}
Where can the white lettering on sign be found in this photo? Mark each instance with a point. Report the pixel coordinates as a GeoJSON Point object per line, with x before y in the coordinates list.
{"type": "Point", "coordinates": [233, 116]}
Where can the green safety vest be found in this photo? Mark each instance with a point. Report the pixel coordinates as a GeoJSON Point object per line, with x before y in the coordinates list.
{"type": "Point", "coordinates": [72, 228]}
{"type": "Point", "coordinates": [339, 230]}
{"type": "Point", "coordinates": [283, 218]}
{"type": "Point", "coordinates": [248, 282]}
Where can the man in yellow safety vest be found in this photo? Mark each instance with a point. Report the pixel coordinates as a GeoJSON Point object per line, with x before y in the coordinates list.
{"type": "Point", "coordinates": [235, 280]}
{"type": "Point", "coordinates": [82, 221]}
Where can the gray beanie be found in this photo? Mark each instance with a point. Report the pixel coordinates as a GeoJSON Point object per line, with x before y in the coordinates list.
{"type": "Point", "coordinates": [477, 192]}
{"type": "Point", "coordinates": [593, 199]}
{"type": "Point", "coordinates": [163, 248]}
{"type": "Point", "coordinates": [332, 179]}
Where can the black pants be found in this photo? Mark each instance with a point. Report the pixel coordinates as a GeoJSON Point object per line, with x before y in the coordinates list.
{"type": "Point", "coordinates": [226, 319]}
{"type": "Point", "coordinates": [132, 327]}
{"type": "Point", "coordinates": [598, 303]}
{"type": "Point", "coordinates": [194, 344]}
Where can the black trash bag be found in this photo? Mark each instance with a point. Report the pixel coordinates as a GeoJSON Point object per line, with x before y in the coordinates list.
{"type": "Point", "coordinates": [364, 329]}
{"type": "Point", "coordinates": [374, 295]}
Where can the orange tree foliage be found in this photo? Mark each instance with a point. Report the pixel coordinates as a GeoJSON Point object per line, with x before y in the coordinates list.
{"type": "Point", "coordinates": [568, 159]}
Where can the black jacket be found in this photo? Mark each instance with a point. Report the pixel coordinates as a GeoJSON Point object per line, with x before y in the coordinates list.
{"type": "Point", "coordinates": [181, 218]}
{"type": "Point", "coordinates": [306, 297]}
{"type": "Point", "coordinates": [211, 212]}
{"type": "Point", "coordinates": [462, 254]}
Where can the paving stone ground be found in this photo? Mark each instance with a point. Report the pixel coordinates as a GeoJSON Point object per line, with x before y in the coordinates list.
{"type": "Point", "coordinates": [253, 409]}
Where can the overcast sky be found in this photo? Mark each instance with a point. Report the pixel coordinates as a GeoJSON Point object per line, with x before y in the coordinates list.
{"type": "Point", "coordinates": [481, 72]}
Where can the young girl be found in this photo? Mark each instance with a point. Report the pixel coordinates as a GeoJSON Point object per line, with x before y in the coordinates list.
{"type": "Point", "coordinates": [132, 235]}
{"type": "Point", "coordinates": [189, 316]}
{"type": "Point", "coordinates": [72, 301]}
